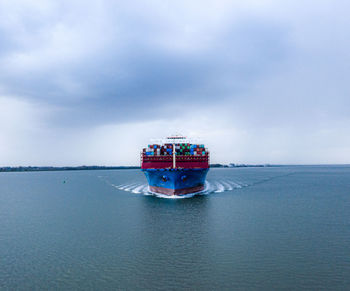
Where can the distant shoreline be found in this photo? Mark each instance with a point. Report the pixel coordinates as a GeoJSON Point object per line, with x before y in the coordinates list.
{"type": "Point", "coordinates": [80, 168]}
{"type": "Point", "coordinates": [85, 168]}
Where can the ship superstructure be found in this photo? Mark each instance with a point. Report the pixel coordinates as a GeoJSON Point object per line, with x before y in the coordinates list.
{"type": "Point", "coordinates": [175, 166]}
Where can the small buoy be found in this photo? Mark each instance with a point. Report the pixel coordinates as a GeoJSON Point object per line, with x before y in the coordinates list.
{"type": "Point", "coordinates": [64, 181]}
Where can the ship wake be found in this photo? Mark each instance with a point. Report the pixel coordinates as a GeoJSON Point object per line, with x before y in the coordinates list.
{"type": "Point", "coordinates": [217, 186]}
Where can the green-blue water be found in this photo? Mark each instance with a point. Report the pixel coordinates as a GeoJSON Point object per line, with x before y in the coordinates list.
{"type": "Point", "coordinates": [255, 228]}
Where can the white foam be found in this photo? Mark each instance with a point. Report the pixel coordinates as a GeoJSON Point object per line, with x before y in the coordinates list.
{"type": "Point", "coordinates": [173, 196]}
{"type": "Point", "coordinates": [206, 187]}
{"type": "Point", "coordinates": [138, 189]}
{"type": "Point", "coordinates": [145, 188]}
{"type": "Point", "coordinates": [219, 187]}
{"type": "Point", "coordinates": [235, 184]}
{"type": "Point", "coordinates": [131, 186]}
{"type": "Point", "coordinates": [228, 187]}
{"type": "Point", "coordinates": [120, 187]}
{"type": "Point", "coordinates": [242, 184]}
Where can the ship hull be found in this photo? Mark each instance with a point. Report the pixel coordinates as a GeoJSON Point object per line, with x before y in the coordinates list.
{"type": "Point", "coordinates": [176, 181]}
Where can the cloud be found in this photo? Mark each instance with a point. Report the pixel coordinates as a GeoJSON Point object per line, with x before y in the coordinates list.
{"type": "Point", "coordinates": [241, 74]}
{"type": "Point", "coordinates": [90, 61]}
{"type": "Point", "coordinates": [22, 129]}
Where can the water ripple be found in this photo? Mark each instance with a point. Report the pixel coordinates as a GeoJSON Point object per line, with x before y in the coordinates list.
{"type": "Point", "coordinates": [218, 186]}
{"type": "Point", "coordinates": [212, 186]}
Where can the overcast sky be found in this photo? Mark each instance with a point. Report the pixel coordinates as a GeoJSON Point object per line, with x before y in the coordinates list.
{"type": "Point", "coordinates": [90, 82]}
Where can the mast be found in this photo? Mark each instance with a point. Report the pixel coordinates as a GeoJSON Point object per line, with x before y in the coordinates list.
{"type": "Point", "coordinates": [174, 156]}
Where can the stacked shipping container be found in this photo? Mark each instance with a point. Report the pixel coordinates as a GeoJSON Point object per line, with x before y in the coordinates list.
{"type": "Point", "coordinates": [181, 149]}
{"type": "Point", "coordinates": [188, 156]}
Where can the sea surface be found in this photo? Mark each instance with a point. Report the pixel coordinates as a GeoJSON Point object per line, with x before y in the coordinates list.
{"type": "Point", "coordinates": [251, 229]}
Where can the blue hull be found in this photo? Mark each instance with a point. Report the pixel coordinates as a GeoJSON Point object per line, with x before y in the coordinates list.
{"type": "Point", "coordinates": [176, 181]}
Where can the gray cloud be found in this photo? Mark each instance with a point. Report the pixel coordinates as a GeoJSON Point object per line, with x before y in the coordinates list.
{"type": "Point", "coordinates": [121, 80]}
{"type": "Point", "coordinates": [256, 67]}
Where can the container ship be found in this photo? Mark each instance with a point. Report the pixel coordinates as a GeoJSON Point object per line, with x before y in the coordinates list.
{"type": "Point", "coordinates": [175, 166]}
